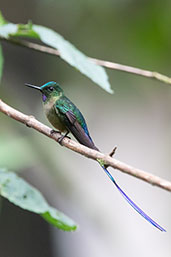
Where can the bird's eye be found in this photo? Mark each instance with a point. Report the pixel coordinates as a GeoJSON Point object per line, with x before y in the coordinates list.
{"type": "Point", "coordinates": [51, 89]}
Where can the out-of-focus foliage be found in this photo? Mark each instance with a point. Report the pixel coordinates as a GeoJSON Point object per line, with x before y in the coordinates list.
{"type": "Point", "coordinates": [1, 62]}
{"type": "Point", "coordinates": [68, 52]}
{"type": "Point", "coordinates": [20, 193]}
{"type": "Point", "coordinates": [74, 57]}
{"type": "Point", "coordinates": [12, 154]}
{"type": "Point", "coordinates": [2, 20]}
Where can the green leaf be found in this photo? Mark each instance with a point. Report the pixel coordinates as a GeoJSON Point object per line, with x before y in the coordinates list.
{"type": "Point", "coordinates": [68, 52]}
{"type": "Point", "coordinates": [1, 62]}
{"type": "Point", "coordinates": [18, 30]}
{"type": "Point", "coordinates": [2, 19]}
{"type": "Point", "coordinates": [73, 56]}
{"type": "Point", "coordinates": [57, 219]}
{"type": "Point", "coordinates": [25, 30]}
{"type": "Point", "coordinates": [20, 193]}
{"type": "Point", "coordinates": [7, 30]}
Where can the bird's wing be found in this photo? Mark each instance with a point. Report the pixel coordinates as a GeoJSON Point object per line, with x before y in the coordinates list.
{"type": "Point", "coordinates": [72, 124]}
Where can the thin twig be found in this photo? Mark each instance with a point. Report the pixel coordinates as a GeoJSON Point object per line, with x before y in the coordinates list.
{"type": "Point", "coordinates": [112, 153]}
{"type": "Point", "coordinates": [106, 64]}
{"type": "Point", "coordinates": [30, 121]}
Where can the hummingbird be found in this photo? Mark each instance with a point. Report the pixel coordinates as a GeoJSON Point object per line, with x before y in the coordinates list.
{"type": "Point", "coordinates": [63, 114]}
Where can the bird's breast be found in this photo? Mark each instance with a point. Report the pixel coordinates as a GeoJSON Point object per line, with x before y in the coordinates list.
{"type": "Point", "coordinates": [53, 117]}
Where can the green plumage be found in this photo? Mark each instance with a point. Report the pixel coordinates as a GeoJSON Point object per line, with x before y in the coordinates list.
{"type": "Point", "coordinates": [63, 114]}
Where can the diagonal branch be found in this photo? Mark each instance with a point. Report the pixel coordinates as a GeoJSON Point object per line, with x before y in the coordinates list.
{"type": "Point", "coordinates": [30, 121]}
{"type": "Point", "coordinates": [111, 65]}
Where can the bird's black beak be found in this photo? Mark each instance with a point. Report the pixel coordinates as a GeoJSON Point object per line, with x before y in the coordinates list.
{"type": "Point", "coordinates": [35, 87]}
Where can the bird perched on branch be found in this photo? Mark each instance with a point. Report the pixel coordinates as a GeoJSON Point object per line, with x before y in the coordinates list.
{"type": "Point", "coordinates": [66, 117]}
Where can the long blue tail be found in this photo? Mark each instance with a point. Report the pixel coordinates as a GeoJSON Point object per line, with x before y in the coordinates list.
{"type": "Point", "coordinates": [132, 203]}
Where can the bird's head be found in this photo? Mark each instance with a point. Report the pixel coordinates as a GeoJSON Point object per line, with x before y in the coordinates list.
{"type": "Point", "coordinates": [48, 90]}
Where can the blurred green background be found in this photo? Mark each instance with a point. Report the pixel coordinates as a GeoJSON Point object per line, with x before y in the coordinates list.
{"type": "Point", "coordinates": [137, 118]}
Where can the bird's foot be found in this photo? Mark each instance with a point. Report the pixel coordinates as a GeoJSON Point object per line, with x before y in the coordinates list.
{"type": "Point", "coordinates": [52, 132]}
{"type": "Point", "coordinates": [62, 137]}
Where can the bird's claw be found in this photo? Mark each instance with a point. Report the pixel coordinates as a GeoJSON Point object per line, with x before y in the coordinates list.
{"type": "Point", "coordinates": [52, 132]}
{"type": "Point", "coordinates": [62, 137]}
